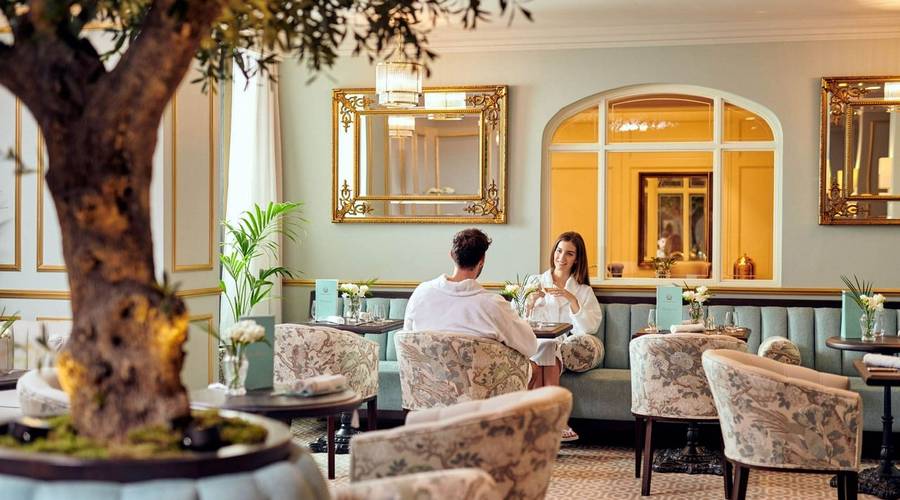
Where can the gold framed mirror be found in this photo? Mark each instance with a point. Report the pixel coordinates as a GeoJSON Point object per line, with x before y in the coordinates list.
{"type": "Point", "coordinates": [443, 162]}
{"type": "Point", "coordinates": [859, 170]}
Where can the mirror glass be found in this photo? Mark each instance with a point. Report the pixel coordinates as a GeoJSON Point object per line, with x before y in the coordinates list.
{"type": "Point", "coordinates": [859, 180]}
{"type": "Point", "coordinates": [443, 162]}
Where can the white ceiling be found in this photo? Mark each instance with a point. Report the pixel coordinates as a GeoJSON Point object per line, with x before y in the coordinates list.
{"type": "Point", "coordinates": [610, 23]}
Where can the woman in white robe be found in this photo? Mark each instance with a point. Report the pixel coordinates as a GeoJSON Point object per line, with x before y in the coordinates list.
{"type": "Point", "coordinates": [565, 296]}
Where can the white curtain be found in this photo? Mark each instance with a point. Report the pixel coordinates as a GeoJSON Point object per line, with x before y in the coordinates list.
{"type": "Point", "coordinates": [254, 167]}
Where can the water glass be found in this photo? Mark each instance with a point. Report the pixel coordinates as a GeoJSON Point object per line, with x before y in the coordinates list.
{"type": "Point", "coordinates": [651, 321]}
{"type": "Point", "coordinates": [312, 312]}
{"type": "Point", "coordinates": [729, 321]}
{"type": "Point", "coordinates": [878, 329]}
{"type": "Point", "coordinates": [378, 313]}
{"type": "Point", "coordinates": [711, 323]}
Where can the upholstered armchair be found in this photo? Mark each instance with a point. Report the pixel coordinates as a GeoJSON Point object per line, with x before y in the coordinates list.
{"type": "Point", "coordinates": [443, 368]}
{"type": "Point", "coordinates": [775, 415]}
{"type": "Point", "coordinates": [455, 484]}
{"type": "Point", "coordinates": [780, 349]}
{"type": "Point", "coordinates": [303, 351]}
{"type": "Point", "coordinates": [514, 437]}
{"type": "Point", "coordinates": [40, 394]}
{"type": "Point", "coordinates": [668, 384]}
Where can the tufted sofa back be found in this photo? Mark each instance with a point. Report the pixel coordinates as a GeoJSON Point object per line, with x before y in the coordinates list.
{"type": "Point", "coordinates": [807, 327]}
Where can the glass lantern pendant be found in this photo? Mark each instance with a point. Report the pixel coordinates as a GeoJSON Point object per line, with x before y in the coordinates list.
{"type": "Point", "coordinates": [398, 83]}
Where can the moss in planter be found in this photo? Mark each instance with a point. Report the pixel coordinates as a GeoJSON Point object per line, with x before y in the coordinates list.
{"type": "Point", "coordinates": [147, 442]}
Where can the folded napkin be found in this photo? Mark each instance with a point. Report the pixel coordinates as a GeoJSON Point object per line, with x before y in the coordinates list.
{"type": "Point", "coordinates": [881, 360]}
{"type": "Point", "coordinates": [689, 328]}
{"type": "Point", "coordinates": [337, 320]}
{"type": "Point", "coordinates": [316, 386]}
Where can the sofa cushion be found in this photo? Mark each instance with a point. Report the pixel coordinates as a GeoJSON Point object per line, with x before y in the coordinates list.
{"type": "Point", "coordinates": [601, 393]}
{"type": "Point", "coordinates": [389, 397]}
{"type": "Point", "coordinates": [780, 349]}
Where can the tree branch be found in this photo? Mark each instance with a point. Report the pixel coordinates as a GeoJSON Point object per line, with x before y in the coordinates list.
{"type": "Point", "coordinates": [155, 63]}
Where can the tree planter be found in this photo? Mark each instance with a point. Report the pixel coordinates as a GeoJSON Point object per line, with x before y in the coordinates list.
{"type": "Point", "coordinates": [227, 460]}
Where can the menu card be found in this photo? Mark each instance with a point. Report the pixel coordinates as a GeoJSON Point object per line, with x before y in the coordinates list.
{"type": "Point", "coordinates": [260, 355]}
{"type": "Point", "coordinates": [668, 306]}
{"type": "Point", "coordinates": [850, 313]}
{"type": "Point", "coordinates": [326, 299]}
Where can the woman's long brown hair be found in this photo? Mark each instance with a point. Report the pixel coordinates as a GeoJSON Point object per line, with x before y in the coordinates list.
{"type": "Point", "coordinates": [580, 271]}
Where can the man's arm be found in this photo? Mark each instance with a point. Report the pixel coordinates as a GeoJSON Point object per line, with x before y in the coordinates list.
{"type": "Point", "coordinates": [513, 330]}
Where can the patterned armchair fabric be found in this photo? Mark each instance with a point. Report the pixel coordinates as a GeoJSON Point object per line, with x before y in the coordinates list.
{"type": "Point", "coordinates": [306, 351]}
{"type": "Point", "coordinates": [457, 484]}
{"type": "Point", "coordinates": [780, 349]}
{"type": "Point", "coordinates": [667, 377]}
{"type": "Point", "coordinates": [40, 395]}
{"type": "Point", "coordinates": [514, 437]}
{"type": "Point", "coordinates": [443, 368]}
{"type": "Point", "coordinates": [582, 352]}
{"type": "Point", "coordinates": [777, 415]}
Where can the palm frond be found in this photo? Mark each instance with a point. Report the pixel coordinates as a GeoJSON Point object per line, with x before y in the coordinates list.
{"type": "Point", "coordinates": [857, 289]}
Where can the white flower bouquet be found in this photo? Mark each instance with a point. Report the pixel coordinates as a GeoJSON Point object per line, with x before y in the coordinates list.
{"type": "Point", "coordinates": [662, 263]}
{"type": "Point", "coordinates": [353, 293]}
{"type": "Point", "coordinates": [695, 298]}
{"type": "Point", "coordinates": [871, 303]}
{"type": "Point", "coordinates": [518, 292]}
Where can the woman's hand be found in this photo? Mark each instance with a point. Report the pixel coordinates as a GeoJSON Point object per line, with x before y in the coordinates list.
{"type": "Point", "coordinates": [567, 295]}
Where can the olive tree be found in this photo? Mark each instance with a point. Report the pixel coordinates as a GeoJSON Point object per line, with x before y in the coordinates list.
{"type": "Point", "coordinates": [121, 366]}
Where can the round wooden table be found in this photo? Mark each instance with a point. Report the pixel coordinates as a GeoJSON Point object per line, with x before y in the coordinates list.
{"type": "Point", "coordinates": [882, 481]}
{"type": "Point", "coordinates": [286, 408]}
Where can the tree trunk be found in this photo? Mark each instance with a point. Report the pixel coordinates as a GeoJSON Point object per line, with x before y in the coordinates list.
{"type": "Point", "coordinates": [122, 364]}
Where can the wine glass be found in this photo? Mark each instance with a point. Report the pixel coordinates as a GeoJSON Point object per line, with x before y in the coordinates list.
{"type": "Point", "coordinates": [729, 321]}
{"type": "Point", "coordinates": [651, 321]}
{"type": "Point", "coordinates": [378, 313]}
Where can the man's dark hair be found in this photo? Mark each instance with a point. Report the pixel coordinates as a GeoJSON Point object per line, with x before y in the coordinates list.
{"type": "Point", "coordinates": [469, 247]}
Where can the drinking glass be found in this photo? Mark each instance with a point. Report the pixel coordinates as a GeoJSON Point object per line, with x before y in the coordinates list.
{"type": "Point", "coordinates": [378, 313]}
{"type": "Point", "coordinates": [729, 321]}
{"type": "Point", "coordinates": [651, 321]}
{"type": "Point", "coordinates": [711, 323]}
{"type": "Point", "coordinates": [879, 326]}
{"type": "Point", "coordinates": [312, 312]}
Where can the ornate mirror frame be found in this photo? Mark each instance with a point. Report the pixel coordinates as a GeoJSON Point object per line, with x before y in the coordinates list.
{"type": "Point", "coordinates": [841, 98]}
{"type": "Point", "coordinates": [487, 206]}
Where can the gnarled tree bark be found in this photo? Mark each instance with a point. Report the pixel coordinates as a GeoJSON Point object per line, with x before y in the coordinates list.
{"type": "Point", "coordinates": [122, 364]}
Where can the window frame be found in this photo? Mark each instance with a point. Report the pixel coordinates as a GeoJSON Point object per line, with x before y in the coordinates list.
{"type": "Point", "coordinates": [717, 146]}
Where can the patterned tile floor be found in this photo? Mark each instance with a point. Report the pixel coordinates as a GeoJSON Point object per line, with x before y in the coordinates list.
{"type": "Point", "coordinates": [594, 471]}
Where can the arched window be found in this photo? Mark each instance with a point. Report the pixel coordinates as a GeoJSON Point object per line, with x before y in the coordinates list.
{"type": "Point", "coordinates": [672, 173]}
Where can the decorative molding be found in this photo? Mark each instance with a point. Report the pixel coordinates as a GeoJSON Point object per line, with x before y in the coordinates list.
{"type": "Point", "coordinates": [490, 105]}
{"type": "Point", "coordinates": [210, 345]}
{"type": "Point", "coordinates": [16, 265]}
{"type": "Point", "coordinates": [52, 318]}
{"type": "Point", "coordinates": [209, 265]}
{"type": "Point", "coordinates": [349, 206]}
{"type": "Point", "coordinates": [64, 294]}
{"type": "Point", "coordinates": [841, 94]}
{"type": "Point", "coordinates": [41, 267]}
{"type": "Point", "coordinates": [489, 205]}
{"type": "Point", "coordinates": [720, 290]}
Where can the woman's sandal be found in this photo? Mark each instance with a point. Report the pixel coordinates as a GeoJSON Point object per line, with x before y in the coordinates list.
{"type": "Point", "coordinates": [569, 435]}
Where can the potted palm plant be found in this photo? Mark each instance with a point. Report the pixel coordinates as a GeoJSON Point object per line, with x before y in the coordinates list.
{"type": "Point", "coordinates": [250, 243]}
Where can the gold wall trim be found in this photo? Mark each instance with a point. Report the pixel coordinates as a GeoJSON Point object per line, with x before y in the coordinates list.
{"type": "Point", "coordinates": [835, 292]}
{"type": "Point", "coordinates": [64, 294]}
{"type": "Point", "coordinates": [208, 266]}
{"type": "Point", "coordinates": [41, 267]}
{"type": "Point", "coordinates": [198, 292]}
{"type": "Point", "coordinates": [16, 265]}
{"type": "Point", "coordinates": [52, 318]}
{"type": "Point", "coordinates": [210, 345]}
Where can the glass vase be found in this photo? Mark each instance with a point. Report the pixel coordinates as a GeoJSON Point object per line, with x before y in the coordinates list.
{"type": "Point", "coordinates": [867, 326]}
{"type": "Point", "coordinates": [352, 311]}
{"type": "Point", "coordinates": [521, 310]}
{"type": "Point", "coordinates": [663, 273]}
{"type": "Point", "coordinates": [235, 368]}
{"type": "Point", "coordinates": [696, 312]}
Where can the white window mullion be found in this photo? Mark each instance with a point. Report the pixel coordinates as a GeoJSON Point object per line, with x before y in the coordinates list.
{"type": "Point", "coordinates": [717, 186]}
{"type": "Point", "coordinates": [601, 193]}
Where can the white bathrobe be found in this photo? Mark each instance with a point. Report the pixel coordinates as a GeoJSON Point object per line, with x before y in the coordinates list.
{"type": "Point", "coordinates": [556, 310]}
{"type": "Point", "coordinates": [466, 307]}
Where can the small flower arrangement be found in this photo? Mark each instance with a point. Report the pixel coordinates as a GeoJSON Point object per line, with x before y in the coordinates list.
{"type": "Point", "coordinates": [871, 303]}
{"type": "Point", "coordinates": [235, 363]}
{"type": "Point", "coordinates": [353, 292]}
{"type": "Point", "coordinates": [518, 292]}
{"type": "Point", "coordinates": [662, 263]}
{"type": "Point", "coordinates": [695, 298]}
{"type": "Point", "coordinates": [242, 334]}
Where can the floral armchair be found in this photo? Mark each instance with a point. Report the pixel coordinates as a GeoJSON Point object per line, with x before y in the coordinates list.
{"type": "Point", "coordinates": [668, 384]}
{"type": "Point", "coordinates": [514, 437]}
{"type": "Point", "coordinates": [775, 415]}
{"type": "Point", "coordinates": [443, 368]}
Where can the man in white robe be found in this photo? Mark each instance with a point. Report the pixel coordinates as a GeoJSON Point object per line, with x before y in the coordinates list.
{"type": "Point", "coordinates": [458, 303]}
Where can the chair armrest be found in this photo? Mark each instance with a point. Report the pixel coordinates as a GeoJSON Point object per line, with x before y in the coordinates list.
{"type": "Point", "coordinates": [456, 484]}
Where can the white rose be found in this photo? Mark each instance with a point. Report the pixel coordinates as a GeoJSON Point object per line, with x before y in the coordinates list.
{"type": "Point", "coordinates": [661, 244]}
{"type": "Point", "coordinates": [702, 290]}
{"type": "Point", "coordinates": [661, 254]}
{"type": "Point", "coordinates": [345, 295]}
{"type": "Point", "coordinates": [363, 289]}
{"type": "Point", "coordinates": [688, 295]}
{"type": "Point", "coordinates": [246, 332]}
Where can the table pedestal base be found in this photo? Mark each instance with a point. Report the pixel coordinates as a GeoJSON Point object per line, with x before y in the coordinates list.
{"type": "Point", "coordinates": [341, 438]}
{"type": "Point", "coordinates": [874, 482]}
{"type": "Point", "coordinates": [688, 460]}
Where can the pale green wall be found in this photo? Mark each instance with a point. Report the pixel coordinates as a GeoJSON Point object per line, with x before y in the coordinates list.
{"type": "Point", "coordinates": [781, 76]}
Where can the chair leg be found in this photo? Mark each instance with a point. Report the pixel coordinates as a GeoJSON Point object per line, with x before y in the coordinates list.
{"type": "Point", "coordinates": [728, 476]}
{"type": "Point", "coordinates": [842, 486]}
{"type": "Point", "coordinates": [741, 477]}
{"type": "Point", "coordinates": [330, 446]}
{"type": "Point", "coordinates": [638, 444]}
{"type": "Point", "coordinates": [372, 414]}
{"type": "Point", "coordinates": [851, 485]}
{"type": "Point", "coordinates": [648, 457]}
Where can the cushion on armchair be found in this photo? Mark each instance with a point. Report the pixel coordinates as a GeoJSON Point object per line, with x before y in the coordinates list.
{"type": "Point", "coordinates": [780, 349]}
{"type": "Point", "coordinates": [455, 484]}
{"type": "Point", "coordinates": [582, 352]}
{"type": "Point", "coordinates": [40, 394]}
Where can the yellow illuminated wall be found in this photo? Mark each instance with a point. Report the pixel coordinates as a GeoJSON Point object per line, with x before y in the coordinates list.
{"type": "Point", "coordinates": [748, 212]}
{"type": "Point", "coordinates": [573, 199]}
